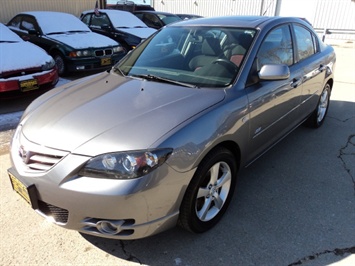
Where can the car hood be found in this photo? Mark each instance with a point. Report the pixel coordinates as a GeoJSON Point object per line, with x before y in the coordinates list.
{"type": "Point", "coordinates": [12, 56]}
{"type": "Point", "coordinates": [112, 113]}
{"type": "Point", "coordinates": [142, 33]}
{"type": "Point", "coordinates": [83, 40]}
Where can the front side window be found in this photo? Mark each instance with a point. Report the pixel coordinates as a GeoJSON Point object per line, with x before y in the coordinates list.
{"type": "Point", "coordinates": [28, 23]}
{"type": "Point", "coordinates": [276, 48]}
{"type": "Point", "coordinates": [305, 42]}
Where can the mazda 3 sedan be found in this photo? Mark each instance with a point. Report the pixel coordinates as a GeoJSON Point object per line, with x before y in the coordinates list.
{"type": "Point", "coordinates": [158, 140]}
{"type": "Point", "coordinates": [24, 67]}
{"type": "Point", "coordinates": [74, 47]}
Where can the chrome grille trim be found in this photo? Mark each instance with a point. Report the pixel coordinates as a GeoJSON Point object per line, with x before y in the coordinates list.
{"type": "Point", "coordinates": [104, 52]}
{"type": "Point", "coordinates": [33, 158]}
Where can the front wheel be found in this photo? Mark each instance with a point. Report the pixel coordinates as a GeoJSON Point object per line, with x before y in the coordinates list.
{"type": "Point", "coordinates": [60, 63]}
{"type": "Point", "coordinates": [209, 192]}
{"type": "Point", "coordinates": [317, 117]}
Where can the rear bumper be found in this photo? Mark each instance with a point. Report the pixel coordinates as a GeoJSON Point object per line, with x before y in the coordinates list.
{"type": "Point", "coordinates": [45, 79]}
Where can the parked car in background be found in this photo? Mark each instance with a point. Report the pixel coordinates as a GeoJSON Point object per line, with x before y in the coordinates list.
{"type": "Point", "coordinates": [122, 26]}
{"type": "Point", "coordinates": [128, 6]}
{"type": "Point", "coordinates": [156, 19]}
{"type": "Point", "coordinates": [24, 67]}
{"type": "Point", "coordinates": [69, 41]}
{"type": "Point", "coordinates": [158, 140]}
{"type": "Point", "coordinates": [188, 16]}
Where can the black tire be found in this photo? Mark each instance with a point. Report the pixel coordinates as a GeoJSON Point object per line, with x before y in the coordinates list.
{"type": "Point", "coordinates": [60, 63]}
{"type": "Point", "coordinates": [209, 193]}
{"type": "Point", "coordinates": [318, 116]}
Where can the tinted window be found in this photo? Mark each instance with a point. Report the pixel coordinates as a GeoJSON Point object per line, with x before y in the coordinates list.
{"type": "Point", "coordinates": [28, 23]}
{"type": "Point", "coordinates": [304, 40]}
{"type": "Point", "coordinates": [99, 21]}
{"type": "Point", "coordinates": [15, 22]}
{"type": "Point", "coordinates": [86, 19]}
{"type": "Point", "coordinates": [152, 21]}
{"type": "Point", "coordinates": [276, 48]}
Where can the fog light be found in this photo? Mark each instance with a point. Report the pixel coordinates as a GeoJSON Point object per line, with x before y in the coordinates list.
{"type": "Point", "coordinates": [80, 67]}
{"type": "Point", "coordinates": [109, 227]}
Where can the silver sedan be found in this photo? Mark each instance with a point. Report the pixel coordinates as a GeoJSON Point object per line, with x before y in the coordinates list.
{"type": "Point", "coordinates": [158, 140]}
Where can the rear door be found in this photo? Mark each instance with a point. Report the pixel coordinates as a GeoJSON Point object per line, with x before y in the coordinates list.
{"type": "Point", "coordinates": [308, 56]}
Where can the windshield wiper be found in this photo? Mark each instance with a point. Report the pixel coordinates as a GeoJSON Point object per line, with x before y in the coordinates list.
{"type": "Point", "coordinates": [8, 41]}
{"type": "Point", "coordinates": [56, 32]}
{"type": "Point", "coordinates": [77, 31]}
{"type": "Point", "coordinates": [165, 80]}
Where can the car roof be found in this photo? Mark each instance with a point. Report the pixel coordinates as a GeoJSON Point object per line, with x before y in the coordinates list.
{"type": "Point", "coordinates": [119, 17]}
{"type": "Point", "coordinates": [109, 12]}
{"type": "Point", "coordinates": [238, 21]}
{"type": "Point", "coordinates": [154, 12]}
{"type": "Point", "coordinates": [44, 13]}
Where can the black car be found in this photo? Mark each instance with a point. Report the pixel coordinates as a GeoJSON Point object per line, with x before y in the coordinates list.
{"type": "Point", "coordinates": [69, 41]}
{"type": "Point", "coordinates": [188, 16]}
{"type": "Point", "coordinates": [156, 19]}
{"type": "Point", "coordinates": [121, 26]}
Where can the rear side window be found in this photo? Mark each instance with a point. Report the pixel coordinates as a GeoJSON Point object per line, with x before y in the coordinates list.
{"type": "Point", "coordinates": [305, 42]}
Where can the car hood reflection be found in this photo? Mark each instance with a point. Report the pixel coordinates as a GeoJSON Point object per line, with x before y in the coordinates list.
{"type": "Point", "coordinates": [112, 113]}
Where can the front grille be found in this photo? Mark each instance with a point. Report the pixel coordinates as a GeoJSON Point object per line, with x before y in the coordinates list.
{"type": "Point", "coordinates": [35, 158]}
{"type": "Point", "coordinates": [103, 52]}
{"type": "Point", "coordinates": [58, 214]}
{"type": "Point", "coordinates": [36, 161]}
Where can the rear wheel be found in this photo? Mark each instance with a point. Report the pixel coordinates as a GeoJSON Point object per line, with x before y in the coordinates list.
{"type": "Point", "coordinates": [209, 192]}
{"type": "Point", "coordinates": [317, 117]}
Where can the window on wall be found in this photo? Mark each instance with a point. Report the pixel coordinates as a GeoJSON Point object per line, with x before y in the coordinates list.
{"type": "Point", "coordinates": [305, 42]}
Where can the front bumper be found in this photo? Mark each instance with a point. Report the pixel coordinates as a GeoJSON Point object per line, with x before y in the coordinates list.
{"type": "Point", "coordinates": [95, 63]}
{"type": "Point", "coordinates": [121, 209]}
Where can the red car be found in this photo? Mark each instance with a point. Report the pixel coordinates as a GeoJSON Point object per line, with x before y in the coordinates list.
{"type": "Point", "coordinates": [24, 66]}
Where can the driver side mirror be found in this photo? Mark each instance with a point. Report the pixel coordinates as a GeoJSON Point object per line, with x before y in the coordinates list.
{"type": "Point", "coordinates": [274, 72]}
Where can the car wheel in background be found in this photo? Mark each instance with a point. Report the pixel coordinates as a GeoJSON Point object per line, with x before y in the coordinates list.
{"type": "Point", "coordinates": [59, 61]}
{"type": "Point", "coordinates": [317, 117]}
{"type": "Point", "coordinates": [209, 192]}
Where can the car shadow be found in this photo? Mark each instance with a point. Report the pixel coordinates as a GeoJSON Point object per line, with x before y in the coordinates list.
{"type": "Point", "coordinates": [293, 205]}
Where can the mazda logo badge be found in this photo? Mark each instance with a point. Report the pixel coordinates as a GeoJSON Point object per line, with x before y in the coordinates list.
{"type": "Point", "coordinates": [25, 155]}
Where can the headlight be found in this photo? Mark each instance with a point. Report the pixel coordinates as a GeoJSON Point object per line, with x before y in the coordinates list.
{"type": "Point", "coordinates": [48, 65]}
{"type": "Point", "coordinates": [80, 53]}
{"type": "Point", "coordinates": [125, 165]}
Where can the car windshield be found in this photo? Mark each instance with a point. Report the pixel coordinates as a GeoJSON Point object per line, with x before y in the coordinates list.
{"type": "Point", "coordinates": [125, 19]}
{"type": "Point", "coordinates": [194, 56]}
{"type": "Point", "coordinates": [48, 21]}
{"type": "Point", "coordinates": [167, 19]}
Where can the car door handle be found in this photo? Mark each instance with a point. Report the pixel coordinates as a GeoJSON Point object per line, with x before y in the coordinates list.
{"type": "Point", "coordinates": [296, 82]}
{"type": "Point", "coordinates": [321, 67]}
